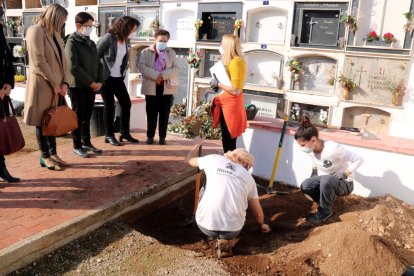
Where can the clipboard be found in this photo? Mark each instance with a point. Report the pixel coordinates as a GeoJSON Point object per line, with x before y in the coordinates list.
{"type": "Point", "coordinates": [219, 71]}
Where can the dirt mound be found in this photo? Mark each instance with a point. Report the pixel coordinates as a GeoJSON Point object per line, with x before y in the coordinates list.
{"type": "Point", "coordinates": [372, 236]}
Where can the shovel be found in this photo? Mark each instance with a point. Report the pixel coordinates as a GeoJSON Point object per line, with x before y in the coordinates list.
{"type": "Point", "coordinates": [270, 189]}
{"type": "Point", "coordinates": [189, 221]}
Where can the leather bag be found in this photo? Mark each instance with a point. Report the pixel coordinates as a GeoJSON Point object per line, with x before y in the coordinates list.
{"type": "Point", "coordinates": [59, 120]}
{"type": "Point", "coordinates": [11, 137]}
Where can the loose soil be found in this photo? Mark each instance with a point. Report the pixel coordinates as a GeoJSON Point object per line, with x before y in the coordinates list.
{"type": "Point", "coordinates": [373, 236]}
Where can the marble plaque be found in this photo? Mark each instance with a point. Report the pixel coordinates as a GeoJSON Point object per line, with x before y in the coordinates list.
{"type": "Point", "coordinates": [263, 68]}
{"type": "Point", "coordinates": [371, 75]}
{"type": "Point", "coordinates": [318, 115]}
{"type": "Point", "coordinates": [267, 105]}
{"type": "Point", "coordinates": [316, 73]}
{"type": "Point", "coordinates": [182, 54]}
{"type": "Point", "coordinates": [372, 119]}
{"type": "Point", "coordinates": [266, 26]}
{"type": "Point", "coordinates": [210, 58]}
{"type": "Point", "coordinates": [180, 24]}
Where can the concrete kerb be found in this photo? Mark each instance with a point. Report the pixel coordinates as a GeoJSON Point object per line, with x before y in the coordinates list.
{"type": "Point", "coordinates": [30, 249]}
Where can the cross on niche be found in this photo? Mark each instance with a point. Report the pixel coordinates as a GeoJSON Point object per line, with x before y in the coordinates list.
{"type": "Point", "coordinates": [360, 75]}
{"type": "Point", "coordinates": [311, 22]}
{"type": "Point", "coordinates": [367, 115]}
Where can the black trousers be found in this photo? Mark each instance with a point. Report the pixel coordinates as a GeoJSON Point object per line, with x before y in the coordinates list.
{"type": "Point", "coordinates": [158, 108]}
{"type": "Point", "coordinates": [229, 144]}
{"type": "Point", "coordinates": [82, 100]}
{"type": "Point", "coordinates": [116, 87]}
{"type": "Point", "coordinates": [47, 144]}
{"type": "Point", "coordinates": [2, 162]}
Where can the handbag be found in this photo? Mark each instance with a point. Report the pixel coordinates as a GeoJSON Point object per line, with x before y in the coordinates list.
{"type": "Point", "coordinates": [11, 137]}
{"type": "Point", "coordinates": [59, 120]}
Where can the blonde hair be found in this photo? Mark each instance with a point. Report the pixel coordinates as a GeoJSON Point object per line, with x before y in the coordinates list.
{"type": "Point", "coordinates": [241, 156]}
{"type": "Point", "coordinates": [232, 48]}
{"type": "Point", "coordinates": [53, 18]}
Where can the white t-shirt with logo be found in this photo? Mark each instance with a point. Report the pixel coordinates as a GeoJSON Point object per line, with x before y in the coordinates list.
{"type": "Point", "coordinates": [335, 159]}
{"type": "Point", "coordinates": [229, 187]}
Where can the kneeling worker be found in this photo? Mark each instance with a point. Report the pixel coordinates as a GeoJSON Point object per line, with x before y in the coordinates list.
{"type": "Point", "coordinates": [230, 189]}
{"type": "Point", "coordinates": [335, 165]}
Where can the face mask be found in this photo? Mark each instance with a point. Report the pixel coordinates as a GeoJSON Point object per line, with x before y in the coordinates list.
{"type": "Point", "coordinates": [161, 46]}
{"type": "Point", "coordinates": [86, 31]}
{"type": "Point", "coordinates": [221, 50]}
{"type": "Point", "coordinates": [306, 149]}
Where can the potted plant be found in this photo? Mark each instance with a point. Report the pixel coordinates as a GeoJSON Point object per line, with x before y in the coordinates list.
{"type": "Point", "coordinates": [197, 26]}
{"type": "Point", "coordinates": [155, 25]}
{"type": "Point", "coordinates": [388, 38]}
{"type": "Point", "coordinates": [237, 25]}
{"type": "Point", "coordinates": [350, 22]}
{"type": "Point", "coordinates": [295, 69]}
{"type": "Point", "coordinates": [409, 25]}
{"type": "Point", "coordinates": [397, 88]}
{"type": "Point", "coordinates": [372, 36]}
{"type": "Point", "coordinates": [10, 25]}
{"type": "Point", "coordinates": [347, 84]}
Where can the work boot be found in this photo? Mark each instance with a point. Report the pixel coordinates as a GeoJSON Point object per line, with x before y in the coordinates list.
{"type": "Point", "coordinates": [321, 216]}
{"type": "Point", "coordinates": [224, 248]}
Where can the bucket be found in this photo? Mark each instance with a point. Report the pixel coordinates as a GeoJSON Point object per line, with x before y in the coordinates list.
{"type": "Point", "coordinates": [251, 111]}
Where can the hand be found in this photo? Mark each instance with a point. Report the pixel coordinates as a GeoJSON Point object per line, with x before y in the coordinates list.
{"type": "Point", "coordinates": [214, 83]}
{"type": "Point", "coordinates": [94, 86]}
{"type": "Point", "coordinates": [159, 79]}
{"type": "Point", "coordinates": [7, 87]}
{"type": "Point", "coordinates": [265, 228]}
{"type": "Point", "coordinates": [57, 89]}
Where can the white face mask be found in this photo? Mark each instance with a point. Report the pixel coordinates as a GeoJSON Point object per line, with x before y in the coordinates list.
{"type": "Point", "coordinates": [306, 149]}
{"type": "Point", "coordinates": [86, 31]}
{"type": "Point", "coordinates": [221, 50]}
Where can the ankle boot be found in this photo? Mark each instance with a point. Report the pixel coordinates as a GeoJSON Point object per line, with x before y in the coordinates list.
{"type": "Point", "coordinates": [128, 137]}
{"type": "Point", "coordinates": [112, 140]}
{"type": "Point", "coordinates": [4, 173]}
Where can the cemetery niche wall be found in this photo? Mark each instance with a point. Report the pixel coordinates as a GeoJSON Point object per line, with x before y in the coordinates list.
{"type": "Point", "coordinates": [316, 24]}
{"type": "Point", "coordinates": [266, 25]}
{"type": "Point", "coordinates": [318, 115]}
{"type": "Point", "coordinates": [318, 74]}
{"type": "Point", "coordinates": [372, 119]}
{"type": "Point", "coordinates": [146, 16]}
{"type": "Point", "coordinates": [218, 19]}
{"type": "Point", "coordinates": [376, 78]}
{"type": "Point", "coordinates": [264, 68]}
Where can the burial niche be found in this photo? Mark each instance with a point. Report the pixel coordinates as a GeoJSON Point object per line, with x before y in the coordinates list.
{"type": "Point", "coordinates": [372, 119]}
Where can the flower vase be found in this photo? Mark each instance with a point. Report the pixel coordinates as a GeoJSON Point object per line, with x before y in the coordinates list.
{"type": "Point", "coordinates": [197, 31]}
{"type": "Point", "coordinates": [236, 32]}
{"type": "Point", "coordinates": [396, 99]}
{"type": "Point", "coordinates": [345, 94]}
{"type": "Point", "coordinates": [10, 32]}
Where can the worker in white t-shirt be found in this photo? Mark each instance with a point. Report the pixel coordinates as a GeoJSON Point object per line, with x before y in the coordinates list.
{"type": "Point", "coordinates": [335, 166]}
{"type": "Point", "coordinates": [229, 190]}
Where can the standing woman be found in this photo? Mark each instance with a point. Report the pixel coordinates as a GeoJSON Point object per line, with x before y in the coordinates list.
{"type": "Point", "coordinates": [85, 78]}
{"type": "Point", "coordinates": [228, 107]}
{"type": "Point", "coordinates": [47, 77]}
{"type": "Point", "coordinates": [113, 51]}
{"type": "Point", "coordinates": [158, 65]}
{"type": "Point", "coordinates": [6, 85]}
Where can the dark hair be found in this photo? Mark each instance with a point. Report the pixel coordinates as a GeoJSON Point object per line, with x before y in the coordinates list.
{"type": "Point", "coordinates": [83, 17]}
{"type": "Point", "coordinates": [161, 32]}
{"type": "Point", "coordinates": [306, 130]}
{"type": "Point", "coordinates": [123, 26]}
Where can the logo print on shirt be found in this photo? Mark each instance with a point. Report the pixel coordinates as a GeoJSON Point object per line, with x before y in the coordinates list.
{"type": "Point", "coordinates": [327, 163]}
{"type": "Point", "coordinates": [230, 167]}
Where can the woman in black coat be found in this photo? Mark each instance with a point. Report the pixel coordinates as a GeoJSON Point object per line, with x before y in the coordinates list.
{"type": "Point", "coordinates": [6, 85]}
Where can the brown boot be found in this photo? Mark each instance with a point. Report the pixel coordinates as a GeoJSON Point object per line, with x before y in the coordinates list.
{"type": "Point", "coordinates": [224, 248]}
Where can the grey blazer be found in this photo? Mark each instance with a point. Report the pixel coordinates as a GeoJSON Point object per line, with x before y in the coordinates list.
{"type": "Point", "coordinates": [107, 47]}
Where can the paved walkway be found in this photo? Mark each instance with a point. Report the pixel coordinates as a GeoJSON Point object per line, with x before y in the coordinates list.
{"type": "Point", "coordinates": [44, 199]}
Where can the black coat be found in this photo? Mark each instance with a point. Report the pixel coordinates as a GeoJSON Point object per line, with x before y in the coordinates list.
{"type": "Point", "coordinates": [6, 67]}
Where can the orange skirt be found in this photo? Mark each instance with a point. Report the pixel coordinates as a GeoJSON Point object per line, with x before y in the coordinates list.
{"type": "Point", "coordinates": [233, 111]}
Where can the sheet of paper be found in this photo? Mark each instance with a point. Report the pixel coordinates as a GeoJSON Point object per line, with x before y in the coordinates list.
{"type": "Point", "coordinates": [220, 72]}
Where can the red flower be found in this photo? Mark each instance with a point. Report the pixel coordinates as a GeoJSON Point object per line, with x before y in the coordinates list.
{"type": "Point", "coordinates": [373, 33]}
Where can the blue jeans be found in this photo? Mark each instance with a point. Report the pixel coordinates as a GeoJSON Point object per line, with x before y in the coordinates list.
{"type": "Point", "coordinates": [225, 235]}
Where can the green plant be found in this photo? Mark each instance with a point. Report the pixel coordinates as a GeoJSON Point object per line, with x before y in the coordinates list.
{"type": "Point", "coordinates": [396, 86]}
{"type": "Point", "coordinates": [178, 110]}
{"type": "Point", "coordinates": [347, 83]}
{"type": "Point", "coordinates": [295, 68]}
{"type": "Point", "coordinates": [10, 24]}
{"type": "Point", "coordinates": [350, 22]}
{"type": "Point", "coordinates": [331, 81]}
{"type": "Point", "coordinates": [194, 58]}
{"type": "Point", "coordinates": [409, 25]}
{"type": "Point", "coordinates": [155, 24]}
{"type": "Point", "coordinates": [201, 113]}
